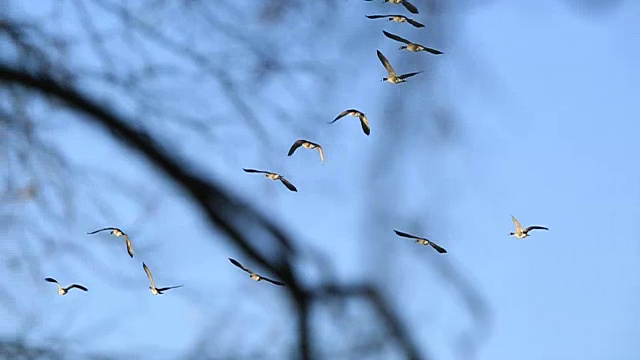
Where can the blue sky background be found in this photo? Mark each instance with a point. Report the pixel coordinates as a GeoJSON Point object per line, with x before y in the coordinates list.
{"type": "Point", "coordinates": [544, 101]}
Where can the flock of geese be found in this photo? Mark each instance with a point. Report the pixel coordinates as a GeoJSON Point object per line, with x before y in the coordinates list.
{"type": "Point", "coordinates": [392, 78]}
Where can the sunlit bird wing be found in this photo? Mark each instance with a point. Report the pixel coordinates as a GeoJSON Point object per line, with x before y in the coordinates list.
{"type": "Point", "coordinates": [364, 122]}
{"type": "Point", "coordinates": [321, 153]}
{"type": "Point", "coordinates": [518, 226]}
{"type": "Point", "coordinates": [146, 269]}
{"type": "Point", "coordinates": [386, 64]}
{"type": "Point", "coordinates": [129, 245]}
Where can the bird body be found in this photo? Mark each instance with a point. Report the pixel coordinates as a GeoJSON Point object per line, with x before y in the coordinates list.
{"type": "Point", "coordinates": [254, 276]}
{"type": "Point", "coordinates": [273, 176]}
{"type": "Point", "coordinates": [521, 233]}
{"type": "Point", "coordinates": [119, 233]}
{"type": "Point", "coordinates": [154, 289]}
{"type": "Point", "coordinates": [422, 241]}
{"type": "Point", "coordinates": [411, 46]}
{"type": "Point", "coordinates": [307, 145]}
{"type": "Point", "coordinates": [396, 18]}
{"type": "Point", "coordinates": [364, 122]}
{"type": "Point", "coordinates": [63, 291]}
{"type": "Point", "coordinates": [393, 78]}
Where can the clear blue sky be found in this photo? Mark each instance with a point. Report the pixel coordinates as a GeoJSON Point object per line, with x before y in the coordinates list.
{"type": "Point", "coordinates": [547, 110]}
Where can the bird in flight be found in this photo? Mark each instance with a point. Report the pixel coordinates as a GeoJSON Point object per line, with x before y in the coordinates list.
{"type": "Point", "coordinates": [307, 145]}
{"type": "Point", "coordinates": [364, 122]}
{"type": "Point", "coordinates": [253, 275]}
{"type": "Point", "coordinates": [393, 77]}
{"type": "Point", "coordinates": [422, 241]}
{"type": "Point", "coordinates": [397, 18]}
{"type": "Point", "coordinates": [117, 232]}
{"type": "Point", "coordinates": [411, 46]}
{"type": "Point", "coordinates": [64, 291]}
{"type": "Point", "coordinates": [154, 289]}
{"type": "Point", "coordinates": [412, 9]}
{"type": "Point", "coordinates": [523, 233]}
{"type": "Point", "coordinates": [273, 176]}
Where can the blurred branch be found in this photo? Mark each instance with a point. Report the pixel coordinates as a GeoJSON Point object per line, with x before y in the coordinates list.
{"type": "Point", "coordinates": [227, 213]}
{"type": "Point", "coordinates": [369, 293]}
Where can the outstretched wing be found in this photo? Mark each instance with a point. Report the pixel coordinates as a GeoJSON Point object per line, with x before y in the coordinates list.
{"type": "Point", "coordinates": [129, 245]}
{"type": "Point", "coordinates": [146, 269]}
{"type": "Point", "coordinates": [405, 76]}
{"type": "Point", "coordinates": [412, 9]}
{"type": "Point", "coordinates": [77, 287]}
{"type": "Point", "coordinates": [236, 263]}
{"type": "Point", "coordinates": [386, 63]}
{"type": "Point", "coordinates": [168, 288]}
{"type": "Point", "coordinates": [272, 281]}
{"type": "Point", "coordinates": [403, 234]}
{"type": "Point", "coordinates": [535, 227]}
{"type": "Point", "coordinates": [515, 221]}
{"type": "Point", "coordinates": [414, 23]}
{"type": "Point", "coordinates": [377, 16]}
{"type": "Point", "coordinates": [103, 229]}
{"type": "Point", "coordinates": [321, 153]}
{"type": "Point", "coordinates": [288, 184]}
{"type": "Point", "coordinates": [295, 145]}
{"type": "Point", "coordinates": [341, 115]}
{"type": "Point", "coordinates": [51, 280]}
{"type": "Point", "coordinates": [396, 37]}
{"type": "Point", "coordinates": [364, 122]}
{"type": "Point", "coordinates": [433, 51]}
{"type": "Point", "coordinates": [438, 248]}
{"type": "Point", "coordinates": [255, 171]}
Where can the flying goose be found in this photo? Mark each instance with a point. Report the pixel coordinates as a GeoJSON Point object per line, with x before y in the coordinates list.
{"type": "Point", "coordinates": [397, 18]}
{"type": "Point", "coordinates": [117, 232]}
{"type": "Point", "coordinates": [154, 289]}
{"type": "Point", "coordinates": [422, 241]}
{"type": "Point", "coordinates": [411, 46]}
{"type": "Point", "coordinates": [64, 291]}
{"type": "Point", "coordinates": [307, 145]}
{"type": "Point", "coordinates": [253, 275]}
{"type": "Point", "coordinates": [393, 77]}
{"type": "Point", "coordinates": [273, 176]}
{"type": "Point", "coordinates": [355, 113]}
{"type": "Point", "coordinates": [520, 233]}
{"type": "Point", "coordinates": [405, 3]}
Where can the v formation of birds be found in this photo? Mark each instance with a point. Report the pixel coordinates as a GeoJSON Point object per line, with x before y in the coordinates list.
{"type": "Point", "coordinates": [392, 78]}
